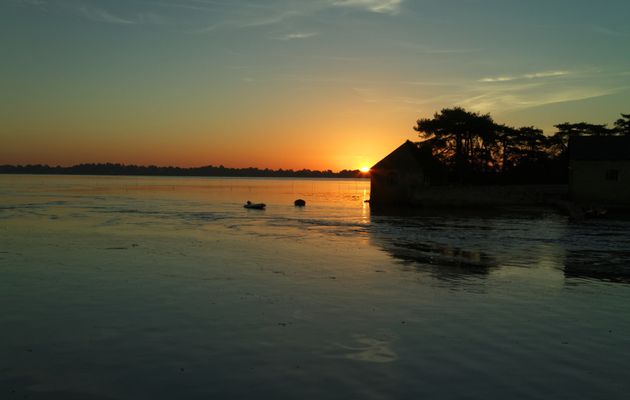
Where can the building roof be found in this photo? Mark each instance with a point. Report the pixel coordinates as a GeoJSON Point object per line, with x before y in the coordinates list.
{"type": "Point", "coordinates": [599, 148]}
{"type": "Point", "coordinates": [407, 156]}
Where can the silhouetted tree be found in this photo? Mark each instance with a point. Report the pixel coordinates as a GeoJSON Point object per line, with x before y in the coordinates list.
{"type": "Point", "coordinates": [524, 155]}
{"type": "Point", "coordinates": [506, 136]}
{"type": "Point", "coordinates": [475, 148]}
{"type": "Point", "coordinates": [622, 125]}
{"type": "Point", "coordinates": [532, 143]}
{"type": "Point", "coordinates": [465, 141]}
{"type": "Point", "coordinates": [560, 140]}
{"type": "Point", "coordinates": [526, 142]}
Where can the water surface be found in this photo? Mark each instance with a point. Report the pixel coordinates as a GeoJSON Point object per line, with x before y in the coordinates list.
{"type": "Point", "coordinates": [162, 288]}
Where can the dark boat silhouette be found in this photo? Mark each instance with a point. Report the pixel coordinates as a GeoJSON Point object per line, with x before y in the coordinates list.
{"type": "Point", "coordinates": [255, 206]}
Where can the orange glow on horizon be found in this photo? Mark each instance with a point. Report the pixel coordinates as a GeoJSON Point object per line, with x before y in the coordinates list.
{"type": "Point", "coordinates": [340, 141]}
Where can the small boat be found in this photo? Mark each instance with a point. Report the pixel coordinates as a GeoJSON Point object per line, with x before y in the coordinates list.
{"type": "Point", "coordinates": [255, 206]}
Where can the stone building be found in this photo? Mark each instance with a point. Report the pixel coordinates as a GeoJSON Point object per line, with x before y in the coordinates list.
{"type": "Point", "coordinates": [599, 169]}
{"type": "Point", "coordinates": [399, 178]}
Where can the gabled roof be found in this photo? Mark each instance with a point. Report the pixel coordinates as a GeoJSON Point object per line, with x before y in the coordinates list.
{"type": "Point", "coordinates": [407, 156]}
{"type": "Point", "coordinates": [599, 148]}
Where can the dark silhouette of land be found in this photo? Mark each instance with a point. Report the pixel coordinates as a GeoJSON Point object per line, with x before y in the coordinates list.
{"type": "Point", "coordinates": [152, 170]}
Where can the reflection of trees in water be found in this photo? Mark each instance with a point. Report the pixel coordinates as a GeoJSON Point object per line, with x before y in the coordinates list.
{"type": "Point", "coordinates": [603, 265]}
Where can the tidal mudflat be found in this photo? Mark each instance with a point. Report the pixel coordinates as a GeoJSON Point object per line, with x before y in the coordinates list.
{"type": "Point", "coordinates": [162, 288]}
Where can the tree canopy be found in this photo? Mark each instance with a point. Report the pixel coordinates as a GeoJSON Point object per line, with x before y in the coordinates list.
{"type": "Point", "coordinates": [622, 125]}
{"type": "Point", "coordinates": [476, 148]}
{"type": "Point", "coordinates": [462, 139]}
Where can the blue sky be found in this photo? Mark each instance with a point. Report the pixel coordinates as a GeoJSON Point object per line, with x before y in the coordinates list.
{"type": "Point", "coordinates": [205, 80]}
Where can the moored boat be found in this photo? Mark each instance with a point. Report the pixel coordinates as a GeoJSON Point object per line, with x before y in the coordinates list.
{"type": "Point", "coordinates": [255, 206]}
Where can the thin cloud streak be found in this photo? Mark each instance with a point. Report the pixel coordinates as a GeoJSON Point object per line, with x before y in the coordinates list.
{"type": "Point", "coordinates": [491, 102]}
{"type": "Point", "coordinates": [297, 36]}
{"type": "Point", "coordinates": [36, 3]}
{"type": "Point", "coordinates": [269, 20]}
{"type": "Point", "coordinates": [610, 32]}
{"type": "Point", "coordinates": [535, 75]}
{"type": "Point", "coordinates": [247, 23]}
{"type": "Point", "coordinates": [391, 7]}
{"type": "Point", "coordinates": [337, 58]}
{"type": "Point", "coordinates": [98, 14]}
{"type": "Point", "coordinates": [425, 49]}
{"type": "Point", "coordinates": [514, 93]}
{"type": "Point", "coordinates": [222, 15]}
{"type": "Point", "coordinates": [101, 15]}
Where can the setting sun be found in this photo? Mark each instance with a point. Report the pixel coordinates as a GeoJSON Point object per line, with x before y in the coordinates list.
{"type": "Point", "coordinates": [364, 169]}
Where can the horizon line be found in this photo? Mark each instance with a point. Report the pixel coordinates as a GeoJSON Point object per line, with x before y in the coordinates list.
{"type": "Point", "coordinates": [119, 169]}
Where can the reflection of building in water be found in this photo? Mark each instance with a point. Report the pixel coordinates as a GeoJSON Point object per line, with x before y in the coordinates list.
{"type": "Point", "coordinates": [441, 259]}
{"type": "Point", "coordinates": [456, 246]}
{"type": "Point", "coordinates": [600, 169]}
{"type": "Point", "coordinates": [609, 266]}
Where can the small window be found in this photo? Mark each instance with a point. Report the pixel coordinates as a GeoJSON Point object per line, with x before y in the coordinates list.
{"type": "Point", "coordinates": [612, 175]}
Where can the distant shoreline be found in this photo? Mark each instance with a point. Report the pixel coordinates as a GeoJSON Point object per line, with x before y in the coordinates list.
{"type": "Point", "coordinates": [207, 171]}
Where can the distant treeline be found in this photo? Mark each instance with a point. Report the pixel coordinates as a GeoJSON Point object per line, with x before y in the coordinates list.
{"type": "Point", "coordinates": [152, 170]}
{"type": "Point", "coordinates": [473, 148]}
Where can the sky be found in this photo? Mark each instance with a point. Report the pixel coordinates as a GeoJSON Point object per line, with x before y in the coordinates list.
{"type": "Point", "coordinates": [318, 84]}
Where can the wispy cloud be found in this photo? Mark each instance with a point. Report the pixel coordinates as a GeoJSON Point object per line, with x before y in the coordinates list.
{"type": "Point", "coordinates": [425, 49]}
{"type": "Point", "coordinates": [31, 2]}
{"type": "Point", "coordinates": [266, 20]}
{"type": "Point", "coordinates": [251, 22]}
{"type": "Point", "coordinates": [453, 83]}
{"type": "Point", "coordinates": [337, 58]}
{"type": "Point", "coordinates": [188, 5]}
{"type": "Point", "coordinates": [610, 32]}
{"type": "Point", "coordinates": [205, 29]}
{"type": "Point", "coordinates": [89, 10]}
{"type": "Point", "coordinates": [101, 15]}
{"type": "Point", "coordinates": [533, 90]}
{"type": "Point", "coordinates": [512, 94]}
{"type": "Point", "coordinates": [215, 15]}
{"type": "Point", "coordinates": [516, 100]}
{"type": "Point", "coordinates": [391, 7]}
{"type": "Point", "coordinates": [297, 35]}
{"type": "Point", "coordinates": [535, 75]}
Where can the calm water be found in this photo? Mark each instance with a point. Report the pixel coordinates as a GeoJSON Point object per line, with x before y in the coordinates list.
{"type": "Point", "coordinates": [166, 288]}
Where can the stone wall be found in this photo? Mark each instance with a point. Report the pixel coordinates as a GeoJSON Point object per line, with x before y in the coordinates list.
{"type": "Point", "coordinates": [600, 181]}
{"type": "Point", "coordinates": [488, 196]}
